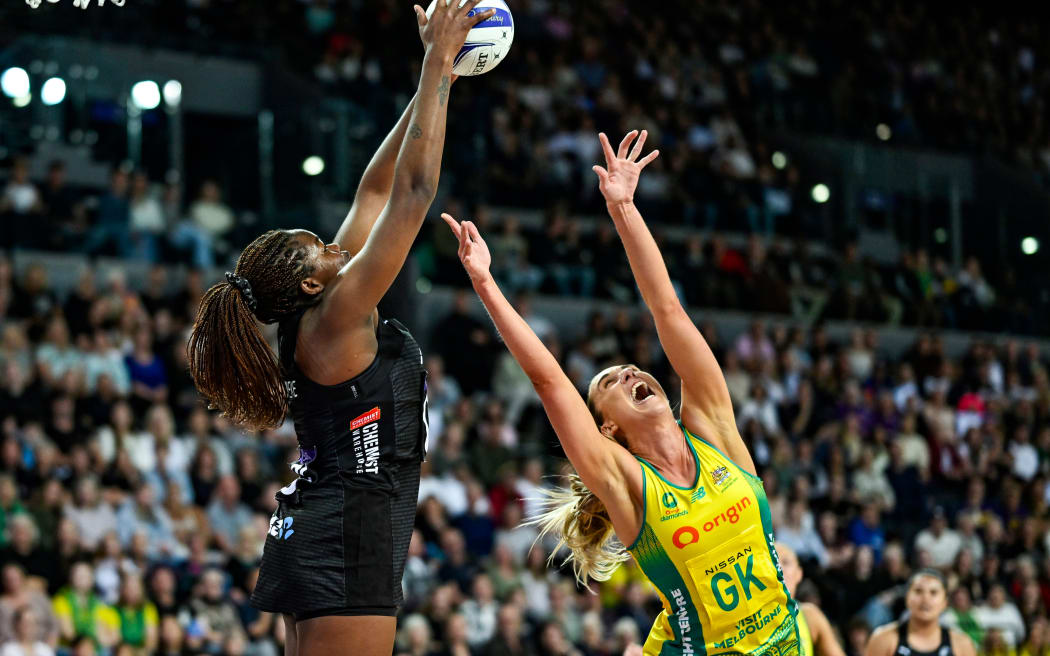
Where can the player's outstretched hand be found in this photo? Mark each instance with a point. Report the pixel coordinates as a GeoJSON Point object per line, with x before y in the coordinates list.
{"type": "Point", "coordinates": [473, 252]}
{"type": "Point", "coordinates": [618, 181]}
{"type": "Point", "coordinates": [447, 27]}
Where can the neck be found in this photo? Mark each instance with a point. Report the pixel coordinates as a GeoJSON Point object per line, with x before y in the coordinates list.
{"type": "Point", "coordinates": [918, 626]}
{"type": "Point", "coordinates": [664, 447]}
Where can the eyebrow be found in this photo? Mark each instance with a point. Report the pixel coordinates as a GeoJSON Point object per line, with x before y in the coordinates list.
{"type": "Point", "coordinates": [601, 381]}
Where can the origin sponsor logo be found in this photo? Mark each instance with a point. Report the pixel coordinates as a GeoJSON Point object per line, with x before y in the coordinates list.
{"type": "Point", "coordinates": [687, 535]}
{"type": "Point", "coordinates": [367, 418]}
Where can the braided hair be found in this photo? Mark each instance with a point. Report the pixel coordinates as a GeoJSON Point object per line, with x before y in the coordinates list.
{"type": "Point", "coordinates": [231, 363]}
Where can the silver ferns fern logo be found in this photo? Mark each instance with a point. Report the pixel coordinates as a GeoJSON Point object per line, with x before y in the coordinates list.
{"type": "Point", "coordinates": [79, 4]}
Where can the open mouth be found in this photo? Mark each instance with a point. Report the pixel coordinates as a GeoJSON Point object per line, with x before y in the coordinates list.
{"type": "Point", "coordinates": [641, 392]}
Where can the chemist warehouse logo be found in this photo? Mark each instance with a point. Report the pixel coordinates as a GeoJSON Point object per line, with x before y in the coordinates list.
{"type": "Point", "coordinates": [364, 432]}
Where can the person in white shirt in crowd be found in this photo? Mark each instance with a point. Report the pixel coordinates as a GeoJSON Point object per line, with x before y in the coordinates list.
{"type": "Point", "coordinates": [25, 622]}
{"type": "Point", "coordinates": [860, 358]}
{"type": "Point", "coordinates": [209, 213]}
{"type": "Point", "coordinates": [480, 612]}
{"type": "Point", "coordinates": [940, 542]}
{"type": "Point", "coordinates": [906, 388]}
{"type": "Point", "coordinates": [21, 196]}
{"type": "Point", "coordinates": [760, 407]}
{"type": "Point", "coordinates": [915, 451]}
{"type": "Point", "coordinates": [999, 613]}
{"type": "Point", "coordinates": [1023, 454]}
{"type": "Point", "coordinates": [870, 482]}
{"type": "Point", "coordinates": [104, 359]}
{"type": "Point", "coordinates": [92, 517]}
{"type": "Point", "coordinates": [147, 218]}
{"type": "Point", "coordinates": [530, 486]}
{"type": "Point", "coordinates": [798, 532]}
{"type": "Point", "coordinates": [455, 496]}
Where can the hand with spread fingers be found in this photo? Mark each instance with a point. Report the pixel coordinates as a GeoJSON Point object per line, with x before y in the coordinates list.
{"type": "Point", "coordinates": [617, 182]}
{"type": "Point", "coordinates": [473, 252]}
{"type": "Point", "coordinates": [447, 27]}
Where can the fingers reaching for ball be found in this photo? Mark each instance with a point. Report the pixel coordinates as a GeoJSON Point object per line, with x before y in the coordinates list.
{"type": "Point", "coordinates": [618, 179]}
{"type": "Point", "coordinates": [473, 252]}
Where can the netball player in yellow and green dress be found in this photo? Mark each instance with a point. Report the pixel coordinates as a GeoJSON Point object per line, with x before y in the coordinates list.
{"type": "Point", "coordinates": [682, 493]}
{"type": "Point", "coordinates": [814, 630]}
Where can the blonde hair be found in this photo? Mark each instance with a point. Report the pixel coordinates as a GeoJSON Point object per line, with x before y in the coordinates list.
{"type": "Point", "coordinates": [581, 522]}
{"type": "Point", "coordinates": [578, 518]}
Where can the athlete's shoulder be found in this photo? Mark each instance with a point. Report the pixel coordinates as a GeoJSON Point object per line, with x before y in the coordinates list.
{"type": "Point", "coordinates": [961, 643]}
{"type": "Point", "coordinates": [883, 640]}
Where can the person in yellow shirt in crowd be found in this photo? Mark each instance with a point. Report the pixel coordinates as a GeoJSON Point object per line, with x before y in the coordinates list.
{"type": "Point", "coordinates": [81, 613]}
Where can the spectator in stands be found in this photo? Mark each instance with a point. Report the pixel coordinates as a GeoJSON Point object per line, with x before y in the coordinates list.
{"type": "Point", "coordinates": [92, 517]}
{"type": "Point", "coordinates": [112, 222]}
{"type": "Point", "coordinates": [999, 614]}
{"type": "Point", "coordinates": [147, 224]}
{"type": "Point", "coordinates": [227, 515]}
{"type": "Point", "coordinates": [19, 594]}
{"type": "Point", "coordinates": [139, 622]}
{"type": "Point", "coordinates": [211, 215]}
{"type": "Point", "coordinates": [213, 624]}
{"type": "Point", "coordinates": [81, 613]}
{"type": "Point", "coordinates": [24, 641]}
{"type": "Point", "coordinates": [19, 203]}
{"type": "Point", "coordinates": [66, 218]}
{"type": "Point", "coordinates": [940, 543]}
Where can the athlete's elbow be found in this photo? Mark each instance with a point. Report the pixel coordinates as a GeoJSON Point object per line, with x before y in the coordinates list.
{"type": "Point", "coordinates": [419, 189]}
{"type": "Point", "coordinates": [667, 308]}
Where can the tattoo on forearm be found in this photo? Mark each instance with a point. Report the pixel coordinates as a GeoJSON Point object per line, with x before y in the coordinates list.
{"type": "Point", "coordinates": [415, 131]}
{"type": "Point", "coordinates": [443, 89]}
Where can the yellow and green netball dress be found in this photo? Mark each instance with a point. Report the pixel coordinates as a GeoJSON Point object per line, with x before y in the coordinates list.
{"type": "Point", "coordinates": [804, 636]}
{"type": "Point", "coordinates": [708, 549]}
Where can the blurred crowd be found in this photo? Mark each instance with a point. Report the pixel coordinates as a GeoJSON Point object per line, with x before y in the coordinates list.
{"type": "Point", "coordinates": [135, 218]}
{"type": "Point", "coordinates": [710, 81]}
{"type": "Point", "coordinates": [132, 218]}
{"type": "Point", "coordinates": [132, 518]}
{"type": "Point", "coordinates": [568, 257]}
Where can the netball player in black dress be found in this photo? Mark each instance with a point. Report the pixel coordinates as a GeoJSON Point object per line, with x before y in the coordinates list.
{"type": "Point", "coordinates": [921, 634]}
{"type": "Point", "coordinates": [353, 383]}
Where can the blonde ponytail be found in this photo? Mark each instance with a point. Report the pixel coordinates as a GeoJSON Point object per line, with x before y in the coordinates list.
{"type": "Point", "coordinates": [580, 521]}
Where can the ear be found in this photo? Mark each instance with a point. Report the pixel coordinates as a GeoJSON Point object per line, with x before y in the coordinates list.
{"type": "Point", "coordinates": [311, 286]}
{"type": "Point", "coordinates": [608, 429]}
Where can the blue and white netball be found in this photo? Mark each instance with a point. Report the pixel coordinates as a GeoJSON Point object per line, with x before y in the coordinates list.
{"type": "Point", "coordinates": [488, 43]}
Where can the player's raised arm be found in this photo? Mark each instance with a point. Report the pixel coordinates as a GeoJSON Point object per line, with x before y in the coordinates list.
{"type": "Point", "coordinates": [373, 190]}
{"type": "Point", "coordinates": [601, 462]}
{"type": "Point", "coordinates": [367, 276]}
{"type": "Point", "coordinates": [706, 407]}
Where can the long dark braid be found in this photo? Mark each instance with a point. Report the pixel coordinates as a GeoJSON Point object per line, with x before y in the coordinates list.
{"type": "Point", "coordinates": [231, 363]}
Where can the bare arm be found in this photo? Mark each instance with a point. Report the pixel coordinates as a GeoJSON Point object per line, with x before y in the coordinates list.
{"type": "Point", "coordinates": [373, 191]}
{"type": "Point", "coordinates": [883, 642]}
{"type": "Point", "coordinates": [364, 281]}
{"type": "Point", "coordinates": [707, 409]}
{"type": "Point", "coordinates": [605, 466]}
{"type": "Point", "coordinates": [962, 644]}
{"type": "Point", "coordinates": [825, 643]}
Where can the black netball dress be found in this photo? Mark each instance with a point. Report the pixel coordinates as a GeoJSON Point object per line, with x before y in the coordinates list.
{"type": "Point", "coordinates": [339, 538]}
